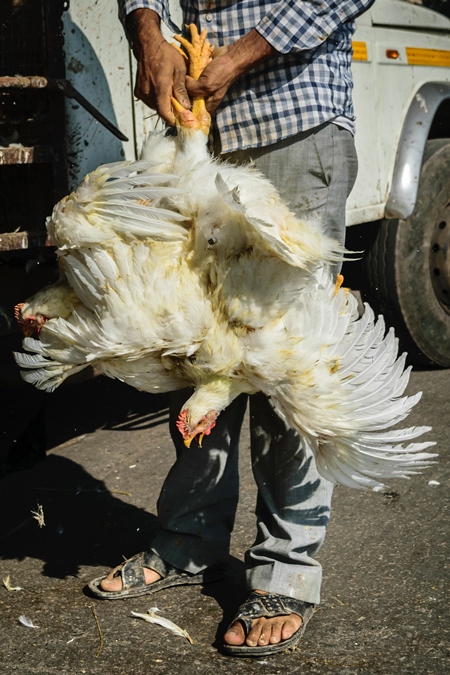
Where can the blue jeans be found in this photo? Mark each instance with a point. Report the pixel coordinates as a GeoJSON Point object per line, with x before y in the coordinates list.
{"type": "Point", "coordinates": [314, 172]}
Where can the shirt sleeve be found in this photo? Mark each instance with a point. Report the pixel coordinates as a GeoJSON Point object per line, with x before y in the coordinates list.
{"type": "Point", "coordinates": [161, 7]}
{"type": "Point", "coordinates": [297, 25]}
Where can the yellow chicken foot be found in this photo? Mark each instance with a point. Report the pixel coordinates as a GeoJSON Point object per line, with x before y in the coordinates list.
{"type": "Point", "coordinates": [199, 51]}
{"type": "Point", "coordinates": [178, 48]}
{"type": "Point", "coordinates": [338, 284]}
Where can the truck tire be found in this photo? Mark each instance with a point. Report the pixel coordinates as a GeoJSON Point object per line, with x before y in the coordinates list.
{"type": "Point", "coordinates": [407, 267]}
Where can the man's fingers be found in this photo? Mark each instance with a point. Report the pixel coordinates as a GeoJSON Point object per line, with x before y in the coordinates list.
{"type": "Point", "coordinates": [164, 107]}
{"type": "Point", "coordinates": [212, 103]}
{"type": "Point", "coordinates": [193, 86]}
{"type": "Point", "coordinates": [171, 83]}
{"type": "Point", "coordinates": [200, 87]}
{"type": "Point", "coordinates": [145, 94]}
{"type": "Point", "coordinates": [178, 76]}
{"type": "Point", "coordinates": [179, 90]}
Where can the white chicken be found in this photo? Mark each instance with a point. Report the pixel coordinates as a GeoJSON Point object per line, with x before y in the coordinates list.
{"type": "Point", "coordinates": [179, 270]}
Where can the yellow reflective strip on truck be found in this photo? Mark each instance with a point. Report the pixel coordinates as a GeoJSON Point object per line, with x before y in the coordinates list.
{"type": "Point", "coordinates": [427, 57]}
{"type": "Point", "coordinates": [360, 51]}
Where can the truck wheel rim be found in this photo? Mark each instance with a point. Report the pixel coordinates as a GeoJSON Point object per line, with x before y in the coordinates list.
{"type": "Point", "coordinates": [440, 258]}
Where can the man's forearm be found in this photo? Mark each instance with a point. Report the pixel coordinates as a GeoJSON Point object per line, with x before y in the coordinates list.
{"type": "Point", "coordinates": [143, 28]}
{"type": "Point", "coordinates": [248, 51]}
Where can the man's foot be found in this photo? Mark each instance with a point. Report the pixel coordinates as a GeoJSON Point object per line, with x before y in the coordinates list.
{"type": "Point", "coordinates": [146, 573]}
{"type": "Point", "coordinates": [264, 630]}
{"type": "Point", "coordinates": [113, 582]}
{"type": "Point", "coordinates": [267, 620]}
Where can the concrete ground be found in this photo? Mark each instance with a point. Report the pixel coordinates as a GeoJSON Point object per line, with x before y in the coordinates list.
{"type": "Point", "coordinates": [385, 606]}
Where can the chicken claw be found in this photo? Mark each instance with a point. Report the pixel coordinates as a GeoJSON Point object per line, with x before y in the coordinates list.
{"type": "Point", "coordinates": [198, 49]}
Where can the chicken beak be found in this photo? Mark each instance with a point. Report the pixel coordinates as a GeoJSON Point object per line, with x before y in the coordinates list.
{"type": "Point", "coordinates": [188, 441]}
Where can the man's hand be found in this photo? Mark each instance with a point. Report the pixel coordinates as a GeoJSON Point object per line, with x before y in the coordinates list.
{"type": "Point", "coordinates": [227, 66]}
{"type": "Point", "coordinates": [161, 71]}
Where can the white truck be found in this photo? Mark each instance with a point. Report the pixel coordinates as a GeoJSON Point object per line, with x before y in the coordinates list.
{"type": "Point", "coordinates": [399, 210]}
{"type": "Point", "coordinates": [400, 205]}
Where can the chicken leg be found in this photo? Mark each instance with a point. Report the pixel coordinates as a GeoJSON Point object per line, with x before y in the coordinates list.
{"type": "Point", "coordinates": [199, 52]}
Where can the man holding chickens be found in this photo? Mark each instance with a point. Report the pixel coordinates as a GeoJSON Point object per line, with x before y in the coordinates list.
{"type": "Point", "coordinates": [279, 88]}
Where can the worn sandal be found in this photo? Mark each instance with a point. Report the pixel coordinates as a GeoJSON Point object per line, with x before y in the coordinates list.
{"type": "Point", "coordinates": [133, 579]}
{"type": "Point", "coordinates": [269, 605]}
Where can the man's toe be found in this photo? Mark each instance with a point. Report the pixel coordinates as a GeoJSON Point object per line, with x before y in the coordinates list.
{"type": "Point", "coordinates": [290, 626]}
{"type": "Point", "coordinates": [235, 634]}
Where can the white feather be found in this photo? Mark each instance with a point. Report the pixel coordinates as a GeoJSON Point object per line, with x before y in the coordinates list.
{"type": "Point", "coordinates": [25, 621]}
{"type": "Point", "coordinates": [151, 617]}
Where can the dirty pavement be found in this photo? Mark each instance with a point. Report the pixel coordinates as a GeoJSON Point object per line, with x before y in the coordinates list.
{"type": "Point", "coordinates": [384, 606]}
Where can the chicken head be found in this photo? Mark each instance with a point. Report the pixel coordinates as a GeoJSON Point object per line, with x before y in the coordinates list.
{"type": "Point", "coordinates": [202, 427]}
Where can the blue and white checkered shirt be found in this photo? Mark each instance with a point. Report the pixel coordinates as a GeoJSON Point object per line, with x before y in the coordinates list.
{"type": "Point", "coordinates": [307, 84]}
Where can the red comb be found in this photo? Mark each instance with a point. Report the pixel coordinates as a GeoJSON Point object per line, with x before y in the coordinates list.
{"type": "Point", "coordinates": [181, 422]}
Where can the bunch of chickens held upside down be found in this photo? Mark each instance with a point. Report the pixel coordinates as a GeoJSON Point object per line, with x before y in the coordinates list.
{"type": "Point", "coordinates": [180, 270]}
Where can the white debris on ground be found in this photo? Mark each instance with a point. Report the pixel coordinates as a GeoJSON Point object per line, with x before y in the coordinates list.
{"type": "Point", "coordinates": [151, 617]}
{"type": "Point", "coordinates": [25, 621]}
{"type": "Point", "coordinates": [8, 586]}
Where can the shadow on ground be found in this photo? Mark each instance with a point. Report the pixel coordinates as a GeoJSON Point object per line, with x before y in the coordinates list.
{"type": "Point", "coordinates": [81, 517]}
{"type": "Point", "coordinates": [34, 422]}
